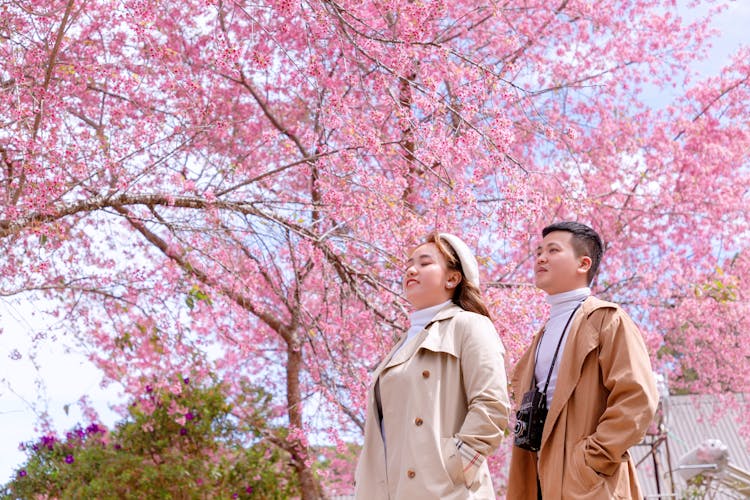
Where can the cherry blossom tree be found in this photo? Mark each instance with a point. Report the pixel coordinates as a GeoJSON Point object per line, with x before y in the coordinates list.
{"type": "Point", "coordinates": [227, 187]}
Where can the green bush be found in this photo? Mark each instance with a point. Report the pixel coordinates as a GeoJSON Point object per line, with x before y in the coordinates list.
{"type": "Point", "coordinates": [187, 445]}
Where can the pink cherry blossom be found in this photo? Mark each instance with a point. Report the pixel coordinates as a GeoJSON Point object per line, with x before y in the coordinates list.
{"type": "Point", "coordinates": [203, 189]}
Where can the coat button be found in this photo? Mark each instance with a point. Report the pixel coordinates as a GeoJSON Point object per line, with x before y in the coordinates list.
{"type": "Point", "coordinates": [426, 374]}
{"type": "Point", "coordinates": [418, 421]}
{"type": "Point", "coordinates": [410, 474]}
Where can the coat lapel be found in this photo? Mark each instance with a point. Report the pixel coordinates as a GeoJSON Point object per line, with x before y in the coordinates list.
{"type": "Point", "coordinates": [582, 339]}
{"type": "Point", "coordinates": [408, 350]}
{"type": "Point", "coordinates": [426, 338]}
{"type": "Point", "coordinates": [440, 338]}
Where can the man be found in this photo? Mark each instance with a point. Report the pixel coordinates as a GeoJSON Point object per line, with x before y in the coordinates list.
{"type": "Point", "coordinates": [591, 367]}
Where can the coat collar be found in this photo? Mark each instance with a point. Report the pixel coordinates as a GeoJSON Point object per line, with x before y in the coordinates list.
{"type": "Point", "coordinates": [430, 329]}
{"type": "Point", "coordinates": [447, 312]}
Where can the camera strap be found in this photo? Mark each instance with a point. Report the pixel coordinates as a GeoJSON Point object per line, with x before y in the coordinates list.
{"type": "Point", "coordinates": [557, 350]}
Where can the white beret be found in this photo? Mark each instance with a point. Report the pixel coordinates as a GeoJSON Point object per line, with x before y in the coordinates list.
{"type": "Point", "coordinates": [468, 262]}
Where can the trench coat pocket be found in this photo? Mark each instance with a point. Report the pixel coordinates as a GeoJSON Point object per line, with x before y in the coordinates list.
{"type": "Point", "coordinates": [584, 479]}
{"type": "Point", "coordinates": [452, 460]}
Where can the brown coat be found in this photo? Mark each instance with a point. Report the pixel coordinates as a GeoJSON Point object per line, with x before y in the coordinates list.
{"type": "Point", "coordinates": [603, 403]}
{"type": "Point", "coordinates": [448, 381]}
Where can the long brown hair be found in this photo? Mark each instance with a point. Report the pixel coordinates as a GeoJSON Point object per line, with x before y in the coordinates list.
{"type": "Point", "coordinates": [466, 294]}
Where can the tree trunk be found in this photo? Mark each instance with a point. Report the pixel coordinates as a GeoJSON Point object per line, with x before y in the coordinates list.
{"type": "Point", "coordinates": [310, 489]}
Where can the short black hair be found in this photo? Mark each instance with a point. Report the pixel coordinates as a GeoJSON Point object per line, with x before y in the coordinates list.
{"type": "Point", "coordinates": [586, 241]}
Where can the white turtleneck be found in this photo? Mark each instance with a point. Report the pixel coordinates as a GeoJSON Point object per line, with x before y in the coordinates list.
{"type": "Point", "coordinates": [418, 320]}
{"type": "Point", "coordinates": [561, 306]}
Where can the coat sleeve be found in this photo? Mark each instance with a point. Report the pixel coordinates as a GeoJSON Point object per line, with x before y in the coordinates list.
{"type": "Point", "coordinates": [486, 388]}
{"type": "Point", "coordinates": [632, 394]}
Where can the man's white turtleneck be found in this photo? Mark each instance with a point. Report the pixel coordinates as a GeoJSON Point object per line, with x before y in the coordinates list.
{"type": "Point", "coordinates": [561, 306]}
{"type": "Point", "coordinates": [418, 320]}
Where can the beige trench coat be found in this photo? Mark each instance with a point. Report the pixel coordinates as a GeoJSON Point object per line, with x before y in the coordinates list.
{"type": "Point", "coordinates": [448, 381]}
{"type": "Point", "coordinates": [603, 403]}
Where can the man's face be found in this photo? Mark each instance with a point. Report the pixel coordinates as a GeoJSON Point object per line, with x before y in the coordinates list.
{"type": "Point", "coordinates": [557, 269]}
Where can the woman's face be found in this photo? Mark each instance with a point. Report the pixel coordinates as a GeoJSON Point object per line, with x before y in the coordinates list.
{"type": "Point", "coordinates": [427, 280]}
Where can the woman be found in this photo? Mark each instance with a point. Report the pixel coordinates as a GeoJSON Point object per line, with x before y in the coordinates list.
{"type": "Point", "coordinates": [438, 402]}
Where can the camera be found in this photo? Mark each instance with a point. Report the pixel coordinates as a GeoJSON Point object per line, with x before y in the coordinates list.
{"type": "Point", "coordinates": [530, 421]}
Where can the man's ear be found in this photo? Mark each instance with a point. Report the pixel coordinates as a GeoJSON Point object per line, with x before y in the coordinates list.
{"type": "Point", "coordinates": [584, 264]}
